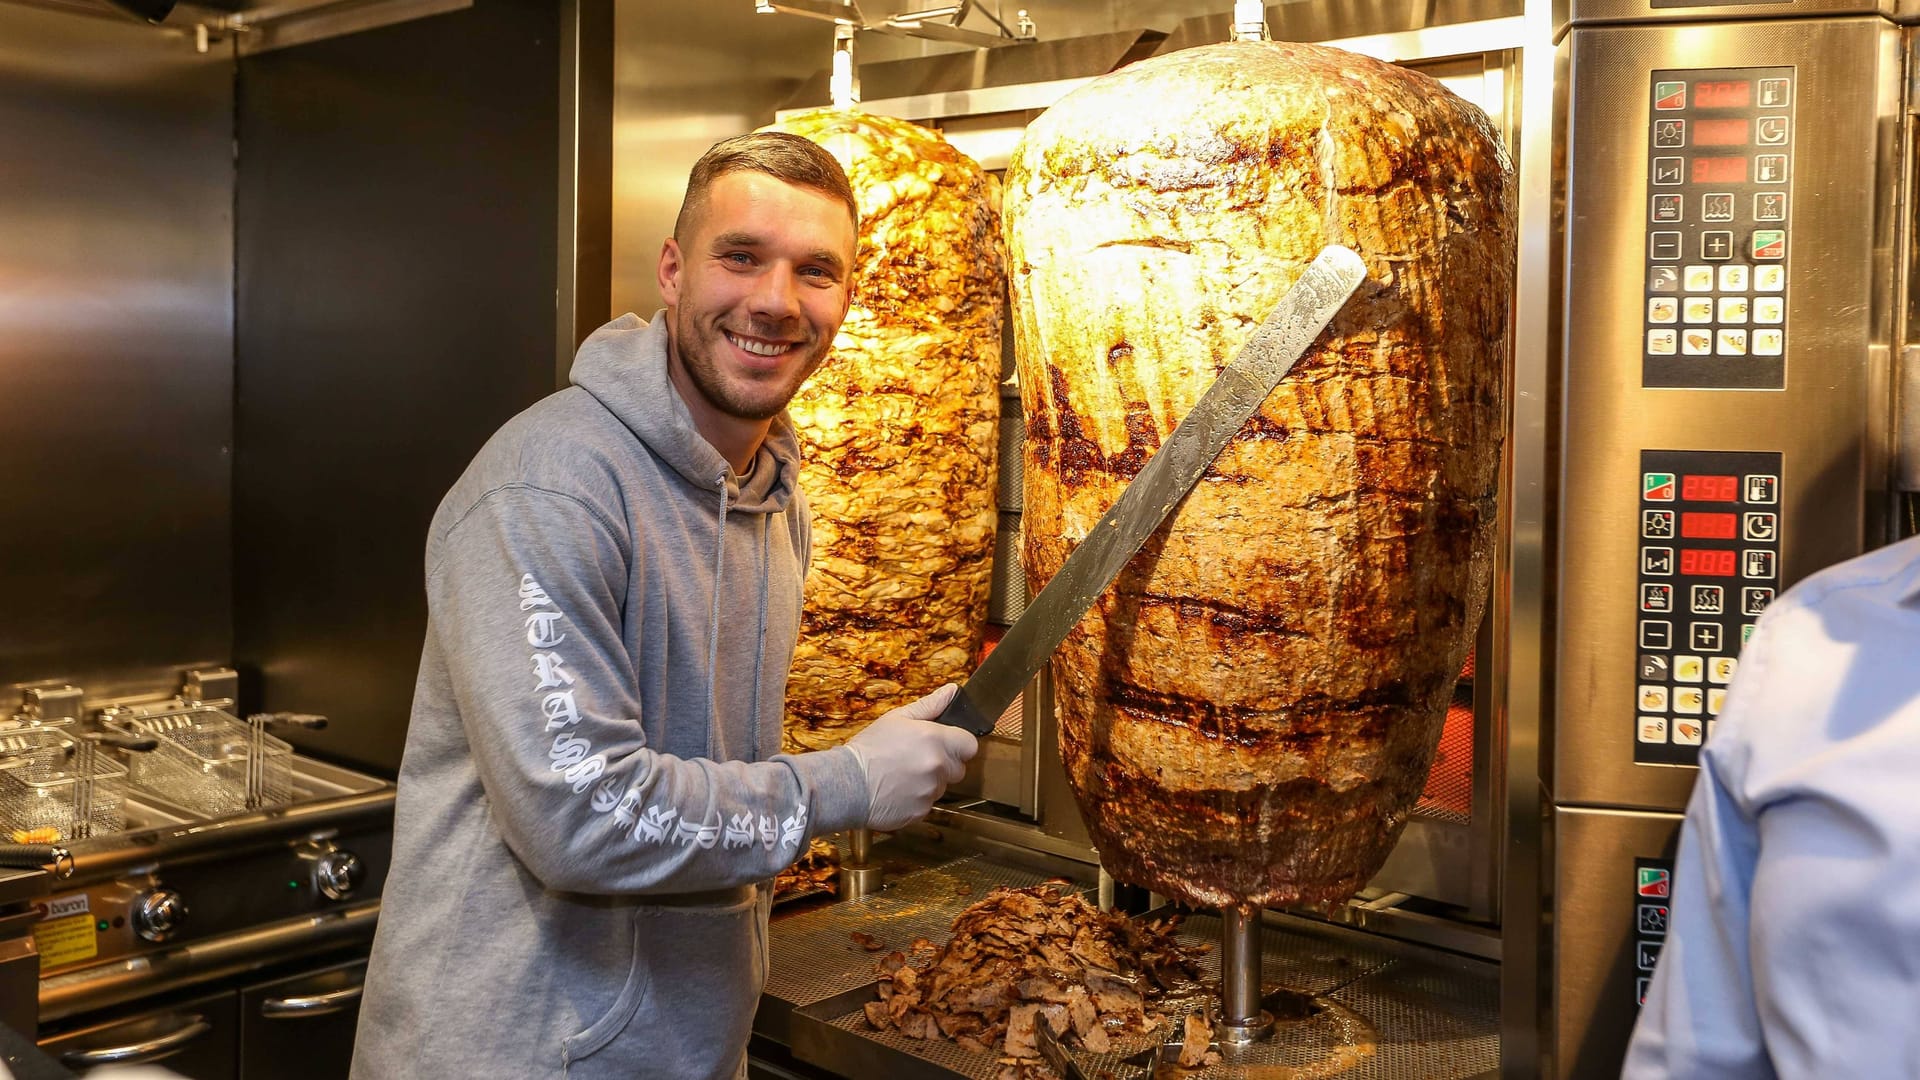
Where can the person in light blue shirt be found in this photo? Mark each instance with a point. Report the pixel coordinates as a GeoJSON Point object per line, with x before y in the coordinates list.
{"type": "Point", "coordinates": [1794, 948]}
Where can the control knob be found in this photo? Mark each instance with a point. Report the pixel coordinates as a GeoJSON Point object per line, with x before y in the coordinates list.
{"type": "Point", "coordinates": [158, 913]}
{"type": "Point", "coordinates": [339, 873]}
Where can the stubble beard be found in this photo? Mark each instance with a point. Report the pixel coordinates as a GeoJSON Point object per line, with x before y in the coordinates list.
{"type": "Point", "coordinates": [696, 357]}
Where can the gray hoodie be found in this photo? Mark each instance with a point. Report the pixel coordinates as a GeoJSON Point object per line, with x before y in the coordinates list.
{"type": "Point", "coordinates": [591, 798]}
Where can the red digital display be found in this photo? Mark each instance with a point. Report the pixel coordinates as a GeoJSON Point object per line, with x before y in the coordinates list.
{"type": "Point", "coordinates": [1708, 526]}
{"type": "Point", "coordinates": [1722, 95]}
{"type": "Point", "coordinates": [1720, 132]}
{"type": "Point", "coordinates": [1719, 170]}
{"type": "Point", "coordinates": [1695, 562]}
{"type": "Point", "coordinates": [1710, 488]}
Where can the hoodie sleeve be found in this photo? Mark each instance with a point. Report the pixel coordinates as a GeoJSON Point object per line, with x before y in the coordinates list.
{"type": "Point", "coordinates": [526, 600]}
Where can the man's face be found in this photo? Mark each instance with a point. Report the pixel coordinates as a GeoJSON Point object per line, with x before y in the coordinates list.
{"type": "Point", "coordinates": [757, 292]}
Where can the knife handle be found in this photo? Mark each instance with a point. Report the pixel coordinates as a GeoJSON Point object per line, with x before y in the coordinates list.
{"type": "Point", "coordinates": [961, 712]}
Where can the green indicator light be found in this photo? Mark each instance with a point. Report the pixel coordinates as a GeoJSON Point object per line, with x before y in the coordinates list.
{"type": "Point", "coordinates": [101, 925]}
{"type": "Point", "coordinates": [293, 884]}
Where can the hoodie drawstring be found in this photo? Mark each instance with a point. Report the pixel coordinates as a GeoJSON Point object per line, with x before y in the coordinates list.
{"type": "Point", "coordinates": [713, 618]}
{"type": "Point", "coordinates": [713, 632]}
{"type": "Point", "coordinates": [760, 654]}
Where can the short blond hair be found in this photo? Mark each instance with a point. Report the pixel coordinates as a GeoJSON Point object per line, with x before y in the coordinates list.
{"type": "Point", "coordinates": [779, 154]}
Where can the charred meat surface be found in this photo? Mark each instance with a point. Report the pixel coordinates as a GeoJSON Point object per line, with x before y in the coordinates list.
{"type": "Point", "coordinates": [900, 431]}
{"type": "Point", "coordinates": [818, 871]}
{"type": "Point", "coordinates": [1249, 713]}
{"type": "Point", "coordinates": [1024, 957]}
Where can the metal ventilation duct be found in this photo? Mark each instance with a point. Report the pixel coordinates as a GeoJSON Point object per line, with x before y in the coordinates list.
{"type": "Point", "coordinates": [1025, 63]}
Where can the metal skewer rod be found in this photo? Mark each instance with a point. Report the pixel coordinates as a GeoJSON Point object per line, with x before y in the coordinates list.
{"type": "Point", "coordinates": [858, 875]}
{"type": "Point", "coordinates": [1242, 1019]}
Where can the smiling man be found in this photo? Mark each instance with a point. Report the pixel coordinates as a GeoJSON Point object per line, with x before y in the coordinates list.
{"type": "Point", "coordinates": [591, 801]}
{"type": "Point", "coordinates": [748, 323]}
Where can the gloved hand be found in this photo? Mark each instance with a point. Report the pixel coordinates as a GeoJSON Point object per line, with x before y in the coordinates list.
{"type": "Point", "coordinates": [909, 760]}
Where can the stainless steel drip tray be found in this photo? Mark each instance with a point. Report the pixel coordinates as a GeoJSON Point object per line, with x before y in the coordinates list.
{"type": "Point", "coordinates": [1379, 1009]}
{"type": "Point", "coordinates": [319, 780]}
{"type": "Point", "coordinates": [144, 814]}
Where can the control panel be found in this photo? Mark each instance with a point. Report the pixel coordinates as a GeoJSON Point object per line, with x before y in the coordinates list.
{"type": "Point", "coordinates": [1652, 893]}
{"type": "Point", "coordinates": [1719, 171]}
{"type": "Point", "coordinates": [1709, 565]}
{"type": "Point", "coordinates": [177, 905]}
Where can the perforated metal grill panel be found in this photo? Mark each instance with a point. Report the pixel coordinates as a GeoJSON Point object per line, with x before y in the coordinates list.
{"type": "Point", "coordinates": [1009, 596]}
{"type": "Point", "coordinates": [1011, 723]}
{"type": "Point", "coordinates": [1012, 463]}
{"type": "Point", "coordinates": [1448, 795]}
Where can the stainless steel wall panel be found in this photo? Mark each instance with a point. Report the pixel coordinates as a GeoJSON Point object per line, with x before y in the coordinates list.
{"type": "Point", "coordinates": [116, 352]}
{"type": "Point", "coordinates": [585, 226]}
{"type": "Point", "coordinates": [1835, 472]}
{"type": "Point", "coordinates": [686, 76]}
{"type": "Point", "coordinates": [398, 193]}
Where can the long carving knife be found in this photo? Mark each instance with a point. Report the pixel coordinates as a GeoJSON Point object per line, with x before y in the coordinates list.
{"type": "Point", "coordinates": [1235, 396]}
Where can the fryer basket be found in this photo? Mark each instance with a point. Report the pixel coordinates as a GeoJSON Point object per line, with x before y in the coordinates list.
{"type": "Point", "coordinates": [210, 762]}
{"type": "Point", "coordinates": [56, 789]}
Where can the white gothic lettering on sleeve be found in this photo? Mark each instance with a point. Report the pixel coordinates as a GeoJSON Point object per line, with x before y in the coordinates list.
{"type": "Point", "coordinates": [607, 795]}
{"type": "Point", "coordinates": [572, 755]}
{"type": "Point", "coordinates": [739, 832]}
{"type": "Point", "coordinates": [531, 594]}
{"type": "Point", "coordinates": [654, 823]}
{"type": "Point", "coordinates": [567, 750]}
{"type": "Point", "coordinates": [560, 710]}
{"type": "Point", "coordinates": [623, 813]}
{"type": "Point", "coordinates": [705, 834]}
{"type": "Point", "coordinates": [547, 668]}
{"type": "Point", "coordinates": [541, 631]}
{"type": "Point", "coordinates": [583, 774]}
{"type": "Point", "coordinates": [794, 827]}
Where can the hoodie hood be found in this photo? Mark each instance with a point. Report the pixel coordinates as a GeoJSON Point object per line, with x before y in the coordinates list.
{"type": "Point", "coordinates": [624, 366]}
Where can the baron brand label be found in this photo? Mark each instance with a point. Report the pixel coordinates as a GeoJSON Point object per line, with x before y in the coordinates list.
{"type": "Point", "coordinates": [62, 906]}
{"type": "Point", "coordinates": [66, 935]}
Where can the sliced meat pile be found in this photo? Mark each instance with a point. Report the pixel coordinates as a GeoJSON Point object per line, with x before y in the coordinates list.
{"type": "Point", "coordinates": [1023, 957]}
{"type": "Point", "coordinates": [817, 871]}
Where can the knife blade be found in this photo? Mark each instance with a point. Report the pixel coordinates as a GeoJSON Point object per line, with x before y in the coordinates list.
{"type": "Point", "coordinates": [1170, 473]}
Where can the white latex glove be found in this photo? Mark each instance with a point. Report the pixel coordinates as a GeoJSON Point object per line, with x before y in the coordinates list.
{"type": "Point", "coordinates": [909, 760]}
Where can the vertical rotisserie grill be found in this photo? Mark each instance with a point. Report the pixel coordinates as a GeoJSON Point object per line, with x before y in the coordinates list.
{"type": "Point", "coordinates": [1248, 715]}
